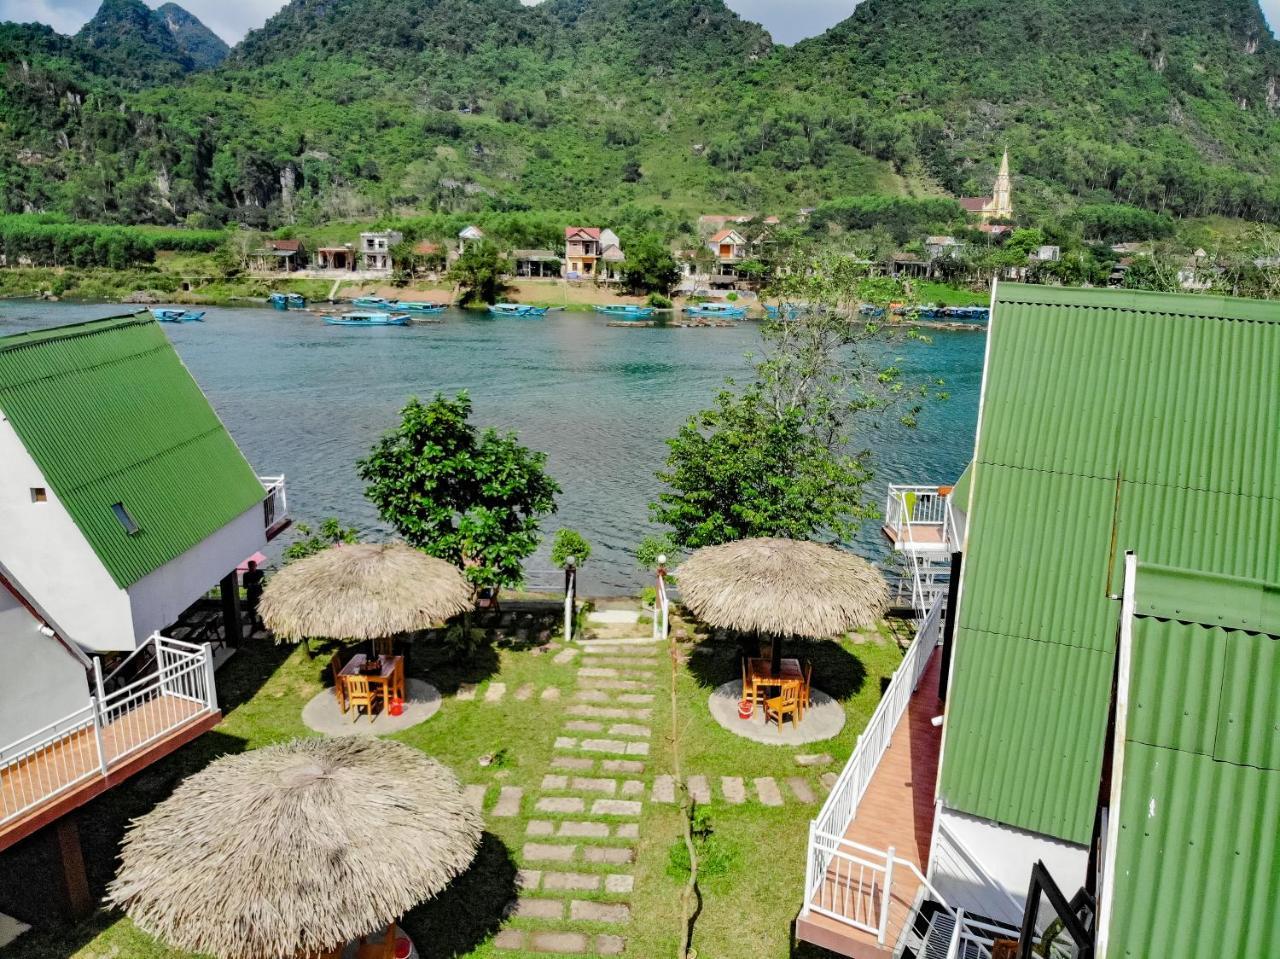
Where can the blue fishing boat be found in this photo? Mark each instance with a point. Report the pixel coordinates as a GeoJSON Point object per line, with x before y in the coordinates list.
{"type": "Point", "coordinates": [722, 310]}
{"type": "Point", "coordinates": [627, 312]}
{"type": "Point", "coordinates": [372, 303]}
{"type": "Point", "coordinates": [517, 309]}
{"type": "Point", "coordinates": [405, 306]}
{"type": "Point", "coordinates": [288, 301]}
{"type": "Point", "coordinates": [174, 315]}
{"type": "Point", "coordinates": [362, 318]}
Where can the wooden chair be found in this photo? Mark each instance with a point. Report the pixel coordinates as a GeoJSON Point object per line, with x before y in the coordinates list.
{"type": "Point", "coordinates": [806, 699]}
{"type": "Point", "coordinates": [384, 646]}
{"type": "Point", "coordinates": [362, 692]}
{"type": "Point", "coordinates": [748, 687]}
{"type": "Point", "coordinates": [339, 682]}
{"type": "Point", "coordinates": [397, 680]}
{"type": "Point", "coordinates": [384, 948]}
{"type": "Point", "coordinates": [785, 703]}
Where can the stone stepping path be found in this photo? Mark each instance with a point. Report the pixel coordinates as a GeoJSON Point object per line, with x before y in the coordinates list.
{"type": "Point", "coordinates": [734, 790]}
{"type": "Point", "coordinates": [495, 692]}
{"type": "Point", "coordinates": [508, 804]}
{"type": "Point", "coordinates": [576, 859]}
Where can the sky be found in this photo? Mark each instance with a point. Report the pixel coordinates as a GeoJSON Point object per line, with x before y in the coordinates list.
{"type": "Point", "coordinates": [787, 20]}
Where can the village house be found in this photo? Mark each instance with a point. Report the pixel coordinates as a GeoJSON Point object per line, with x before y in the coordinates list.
{"type": "Point", "coordinates": [278, 256]}
{"type": "Point", "coordinates": [997, 206]}
{"type": "Point", "coordinates": [1079, 737]}
{"type": "Point", "coordinates": [375, 250]}
{"type": "Point", "coordinates": [535, 264]}
{"type": "Point", "coordinates": [124, 501]}
{"type": "Point", "coordinates": [582, 250]}
{"type": "Point", "coordinates": [943, 247]}
{"type": "Point", "coordinates": [335, 258]}
{"type": "Point", "coordinates": [469, 235]}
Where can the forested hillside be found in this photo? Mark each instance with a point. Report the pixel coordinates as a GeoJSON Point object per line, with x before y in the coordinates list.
{"type": "Point", "coordinates": [342, 108]}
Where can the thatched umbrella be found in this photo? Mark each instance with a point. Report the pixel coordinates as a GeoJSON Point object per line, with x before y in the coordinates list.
{"type": "Point", "coordinates": [296, 848]}
{"type": "Point", "coordinates": [782, 587]}
{"type": "Point", "coordinates": [362, 591]}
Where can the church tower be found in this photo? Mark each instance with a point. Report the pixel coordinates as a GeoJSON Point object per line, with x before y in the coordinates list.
{"type": "Point", "coordinates": [1002, 193]}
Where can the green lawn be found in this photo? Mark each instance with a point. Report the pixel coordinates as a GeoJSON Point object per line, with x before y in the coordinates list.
{"type": "Point", "coordinates": [755, 860]}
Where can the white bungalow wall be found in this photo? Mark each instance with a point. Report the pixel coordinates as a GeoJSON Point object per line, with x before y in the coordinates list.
{"type": "Point", "coordinates": [40, 681]}
{"type": "Point", "coordinates": [161, 596]}
{"type": "Point", "coordinates": [978, 864]}
{"type": "Point", "coordinates": [44, 549]}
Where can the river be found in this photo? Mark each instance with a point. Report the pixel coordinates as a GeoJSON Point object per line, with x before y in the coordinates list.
{"type": "Point", "coordinates": [307, 400]}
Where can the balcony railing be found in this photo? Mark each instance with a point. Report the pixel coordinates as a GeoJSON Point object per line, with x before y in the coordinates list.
{"type": "Point", "coordinates": [110, 730]}
{"type": "Point", "coordinates": [275, 507]}
{"type": "Point", "coordinates": [919, 517]}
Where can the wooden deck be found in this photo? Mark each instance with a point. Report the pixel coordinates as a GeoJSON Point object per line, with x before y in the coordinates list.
{"type": "Point", "coordinates": [920, 537]}
{"type": "Point", "coordinates": [68, 773]}
{"type": "Point", "coordinates": [897, 810]}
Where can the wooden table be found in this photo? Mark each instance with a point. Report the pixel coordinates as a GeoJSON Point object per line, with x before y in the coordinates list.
{"type": "Point", "coordinates": [760, 673]}
{"type": "Point", "coordinates": [386, 676]}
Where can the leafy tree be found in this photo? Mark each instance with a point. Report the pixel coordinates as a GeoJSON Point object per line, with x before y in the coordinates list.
{"type": "Point", "coordinates": [331, 533]}
{"type": "Point", "coordinates": [776, 457]}
{"type": "Point", "coordinates": [569, 542]}
{"type": "Point", "coordinates": [472, 497]}
{"type": "Point", "coordinates": [650, 267]}
{"type": "Point", "coordinates": [479, 272]}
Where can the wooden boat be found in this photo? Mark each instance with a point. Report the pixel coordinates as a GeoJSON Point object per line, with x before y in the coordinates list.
{"type": "Point", "coordinates": [727, 310]}
{"type": "Point", "coordinates": [626, 311]}
{"type": "Point", "coordinates": [364, 318]}
{"type": "Point", "coordinates": [288, 301]}
{"type": "Point", "coordinates": [174, 315]}
{"type": "Point", "coordinates": [372, 303]}
{"type": "Point", "coordinates": [405, 306]}
{"type": "Point", "coordinates": [517, 309]}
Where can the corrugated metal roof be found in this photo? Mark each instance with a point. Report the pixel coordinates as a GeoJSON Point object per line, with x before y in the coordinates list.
{"type": "Point", "coordinates": [1111, 420]}
{"type": "Point", "coordinates": [111, 415]}
{"type": "Point", "coordinates": [1198, 845]}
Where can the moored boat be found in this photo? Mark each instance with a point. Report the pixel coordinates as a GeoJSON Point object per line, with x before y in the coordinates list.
{"type": "Point", "coordinates": [406, 306]}
{"type": "Point", "coordinates": [288, 301]}
{"type": "Point", "coordinates": [366, 318]}
{"type": "Point", "coordinates": [174, 315]}
{"type": "Point", "coordinates": [517, 309]}
{"type": "Point", "coordinates": [372, 303]}
{"type": "Point", "coordinates": [626, 311]}
{"type": "Point", "coordinates": [727, 310]}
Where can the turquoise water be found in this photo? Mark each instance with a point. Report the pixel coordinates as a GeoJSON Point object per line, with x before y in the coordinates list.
{"type": "Point", "coordinates": [307, 400]}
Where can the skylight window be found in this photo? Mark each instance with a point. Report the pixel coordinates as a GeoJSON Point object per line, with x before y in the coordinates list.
{"type": "Point", "coordinates": [127, 521]}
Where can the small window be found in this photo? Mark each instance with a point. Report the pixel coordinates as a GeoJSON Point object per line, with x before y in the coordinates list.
{"type": "Point", "coordinates": [128, 522]}
{"type": "Point", "coordinates": [39, 494]}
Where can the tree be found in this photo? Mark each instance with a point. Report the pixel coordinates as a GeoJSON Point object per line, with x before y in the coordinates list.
{"type": "Point", "coordinates": [649, 267]}
{"type": "Point", "coordinates": [776, 458]}
{"type": "Point", "coordinates": [479, 272]}
{"type": "Point", "coordinates": [474, 498]}
{"type": "Point", "coordinates": [331, 533]}
{"type": "Point", "coordinates": [569, 542]}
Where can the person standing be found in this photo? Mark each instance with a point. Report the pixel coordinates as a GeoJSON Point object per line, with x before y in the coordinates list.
{"type": "Point", "coordinates": [253, 578]}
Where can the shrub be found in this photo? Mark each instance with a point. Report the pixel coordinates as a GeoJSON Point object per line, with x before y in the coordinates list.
{"type": "Point", "coordinates": [569, 542]}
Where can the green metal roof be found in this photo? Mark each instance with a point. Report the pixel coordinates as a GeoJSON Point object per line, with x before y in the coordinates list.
{"type": "Point", "coordinates": [1197, 870]}
{"type": "Point", "coordinates": [111, 415]}
{"type": "Point", "coordinates": [960, 492]}
{"type": "Point", "coordinates": [1111, 420]}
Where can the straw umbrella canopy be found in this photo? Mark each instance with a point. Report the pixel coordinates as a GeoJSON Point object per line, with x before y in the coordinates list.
{"type": "Point", "coordinates": [296, 848]}
{"type": "Point", "coordinates": [362, 591]}
{"type": "Point", "coordinates": [782, 587]}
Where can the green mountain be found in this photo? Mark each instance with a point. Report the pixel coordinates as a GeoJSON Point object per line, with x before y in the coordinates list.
{"type": "Point", "coordinates": [203, 47]}
{"type": "Point", "coordinates": [342, 108]}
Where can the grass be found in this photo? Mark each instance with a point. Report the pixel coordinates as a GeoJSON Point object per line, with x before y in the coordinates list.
{"type": "Point", "coordinates": [756, 853]}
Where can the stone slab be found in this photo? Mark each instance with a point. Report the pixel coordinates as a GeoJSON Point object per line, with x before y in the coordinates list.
{"type": "Point", "coordinates": [734, 790]}
{"type": "Point", "coordinates": [584, 911]}
{"type": "Point", "coordinates": [495, 692]}
{"type": "Point", "coordinates": [584, 784]}
{"type": "Point", "coordinates": [555, 781]}
{"type": "Point", "coordinates": [528, 879]}
{"type": "Point", "coordinates": [474, 795]}
{"type": "Point", "coordinates": [539, 827]}
{"type": "Point", "coordinates": [619, 882]}
{"type": "Point", "coordinates": [630, 729]}
{"type": "Point", "coordinates": [583, 726]}
{"type": "Point", "coordinates": [584, 830]}
{"type": "Point", "coordinates": [604, 745]}
{"type": "Point", "coordinates": [632, 789]}
{"type": "Point", "coordinates": [610, 855]}
{"type": "Point", "coordinates": [509, 939]}
{"type": "Point", "coordinates": [525, 692]}
{"type": "Point", "coordinates": [813, 759]}
{"type": "Point", "coordinates": [591, 682]}
{"type": "Point", "coordinates": [576, 763]}
{"type": "Point", "coordinates": [627, 830]}
{"type": "Point", "coordinates": [699, 789]}
{"type": "Point", "coordinates": [571, 942]}
{"type": "Point", "coordinates": [636, 699]}
{"type": "Point", "coordinates": [571, 882]}
{"type": "Point", "coordinates": [767, 790]}
{"type": "Point", "coordinates": [561, 804]}
{"type": "Point", "coordinates": [615, 807]}
{"type": "Point", "coordinates": [800, 788]}
{"type": "Point", "coordinates": [540, 908]}
{"type": "Point", "coordinates": [829, 781]}
{"type": "Point", "coordinates": [534, 851]}
{"type": "Point", "coordinates": [508, 803]}
{"type": "Point", "coordinates": [633, 766]}
{"type": "Point", "coordinates": [637, 749]}
{"type": "Point", "coordinates": [664, 789]}
{"type": "Point", "coordinates": [610, 945]}
{"type": "Point", "coordinates": [565, 655]}
{"type": "Point", "coordinates": [466, 691]}
{"type": "Point", "coordinates": [550, 693]}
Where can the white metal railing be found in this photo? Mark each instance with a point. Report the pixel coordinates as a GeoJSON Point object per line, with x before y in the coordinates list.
{"type": "Point", "coordinates": [842, 804]}
{"type": "Point", "coordinates": [661, 608]}
{"type": "Point", "coordinates": [919, 507]}
{"type": "Point", "coordinates": [112, 727]}
{"type": "Point", "coordinates": [877, 891]}
{"type": "Point", "coordinates": [275, 507]}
